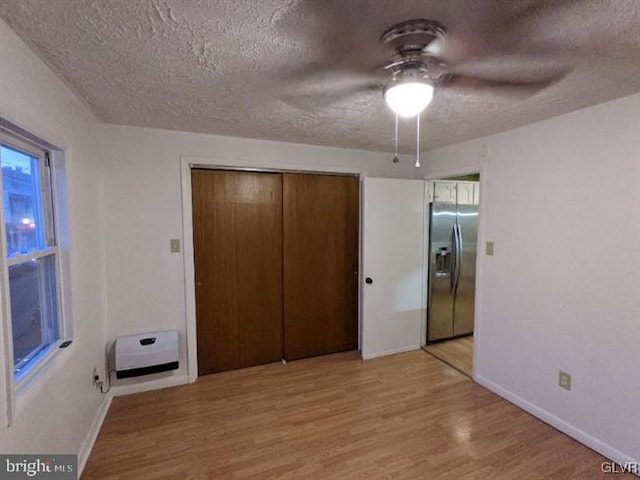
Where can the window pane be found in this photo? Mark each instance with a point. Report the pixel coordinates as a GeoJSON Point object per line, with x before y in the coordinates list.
{"type": "Point", "coordinates": [22, 204]}
{"type": "Point", "coordinates": [34, 309]}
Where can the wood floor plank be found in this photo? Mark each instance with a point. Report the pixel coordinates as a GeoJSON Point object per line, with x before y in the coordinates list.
{"type": "Point", "coordinates": [407, 416]}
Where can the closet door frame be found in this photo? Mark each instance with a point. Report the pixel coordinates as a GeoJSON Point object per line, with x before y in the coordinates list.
{"type": "Point", "coordinates": [187, 163]}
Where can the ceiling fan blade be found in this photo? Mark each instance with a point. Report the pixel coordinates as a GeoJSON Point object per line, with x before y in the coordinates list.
{"type": "Point", "coordinates": [322, 80]}
{"type": "Point", "coordinates": [344, 45]}
{"type": "Point", "coordinates": [334, 40]}
{"type": "Point", "coordinates": [327, 89]}
{"type": "Point", "coordinates": [314, 103]}
{"type": "Point", "coordinates": [501, 86]}
{"type": "Point", "coordinates": [577, 31]}
{"type": "Point", "coordinates": [499, 29]}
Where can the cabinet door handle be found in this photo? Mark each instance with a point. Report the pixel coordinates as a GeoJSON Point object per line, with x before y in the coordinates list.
{"type": "Point", "coordinates": [368, 280]}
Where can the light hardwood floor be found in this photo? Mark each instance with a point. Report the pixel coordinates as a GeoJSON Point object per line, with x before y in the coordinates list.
{"type": "Point", "coordinates": [457, 352]}
{"type": "Point", "coordinates": [407, 416]}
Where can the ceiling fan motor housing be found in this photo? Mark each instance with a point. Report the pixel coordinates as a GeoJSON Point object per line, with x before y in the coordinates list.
{"type": "Point", "coordinates": [414, 45]}
{"type": "Point", "coordinates": [412, 37]}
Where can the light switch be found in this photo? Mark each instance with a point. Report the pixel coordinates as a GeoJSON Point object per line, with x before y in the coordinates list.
{"type": "Point", "coordinates": [489, 248]}
{"type": "Point", "coordinates": [174, 245]}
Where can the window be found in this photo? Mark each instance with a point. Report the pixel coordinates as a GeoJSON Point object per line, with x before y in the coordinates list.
{"type": "Point", "coordinates": [32, 261]}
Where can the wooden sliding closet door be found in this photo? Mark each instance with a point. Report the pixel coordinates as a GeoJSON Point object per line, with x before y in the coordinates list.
{"type": "Point", "coordinates": [320, 224]}
{"type": "Point", "coordinates": [237, 230]}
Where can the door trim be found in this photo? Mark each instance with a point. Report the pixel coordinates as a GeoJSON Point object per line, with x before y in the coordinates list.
{"type": "Point", "coordinates": [482, 168]}
{"type": "Point", "coordinates": [187, 163]}
{"type": "Point", "coordinates": [270, 170]}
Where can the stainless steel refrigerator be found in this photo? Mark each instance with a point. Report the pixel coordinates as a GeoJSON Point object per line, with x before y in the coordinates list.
{"type": "Point", "coordinates": [452, 267]}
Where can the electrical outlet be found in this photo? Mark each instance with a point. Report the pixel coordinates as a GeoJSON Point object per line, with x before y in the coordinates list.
{"type": "Point", "coordinates": [564, 380]}
{"type": "Point", "coordinates": [489, 248]}
{"type": "Point", "coordinates": [98, 383]}
{"type": "Point", "coordinates": [174, 245]}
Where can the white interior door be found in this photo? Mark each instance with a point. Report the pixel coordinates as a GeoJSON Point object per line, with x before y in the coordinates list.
{"type": "Point", "coordinates": [393, 275]}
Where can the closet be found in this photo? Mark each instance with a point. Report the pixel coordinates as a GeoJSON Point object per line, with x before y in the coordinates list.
{"type": "Point", "coordinates": [276, 266]}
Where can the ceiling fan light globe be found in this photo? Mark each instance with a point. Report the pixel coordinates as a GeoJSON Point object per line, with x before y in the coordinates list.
{"type": "Point", "coordinates": [408, 99]}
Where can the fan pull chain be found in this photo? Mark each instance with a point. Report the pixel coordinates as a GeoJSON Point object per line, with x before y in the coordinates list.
{"type": "Point", "coordinates": [396, 159]}
{"type": "Point", "coordinates": [417, 141]}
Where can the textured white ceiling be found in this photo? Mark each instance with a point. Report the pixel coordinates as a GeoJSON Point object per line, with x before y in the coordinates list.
{"type": "Point", "coordinates": [236, 67]}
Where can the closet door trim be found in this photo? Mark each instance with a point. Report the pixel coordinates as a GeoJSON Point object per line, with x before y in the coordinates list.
{"type": "Point", "coordinates": [196, 166]}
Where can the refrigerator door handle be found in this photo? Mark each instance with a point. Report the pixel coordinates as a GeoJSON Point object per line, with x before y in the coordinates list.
{"type": "Point", "coordinates": [458, 258]}
{"type": "Point", "coordinates": [454, 258]}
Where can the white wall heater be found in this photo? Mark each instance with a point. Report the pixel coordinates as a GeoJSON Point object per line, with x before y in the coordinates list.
{"type": "Point", "coordinates": [146, 353]}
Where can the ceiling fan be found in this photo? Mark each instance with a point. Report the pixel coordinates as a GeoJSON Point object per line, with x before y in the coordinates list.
{"type": "Point", "coordinates": [416, 68]}
{"type": "Point", "coordinates": [417, 58]}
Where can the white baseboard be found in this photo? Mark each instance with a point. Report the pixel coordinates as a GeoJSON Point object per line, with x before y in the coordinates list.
{"type": "Point", "coordinates": [145, 385]}
{"type": "Point", "coordinates": [606, 450]}
{"type": "Point", "coordinates": [369, 356]}
{"type": "Point", "coordinates": [90, 439]}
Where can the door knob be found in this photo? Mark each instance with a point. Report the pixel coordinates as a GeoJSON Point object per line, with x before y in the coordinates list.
{"type": "Point", "coordinates": [368, 280]}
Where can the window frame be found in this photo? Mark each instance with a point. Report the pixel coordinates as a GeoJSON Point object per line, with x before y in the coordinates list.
{"type": "Point", "coordinates": [19, 384]}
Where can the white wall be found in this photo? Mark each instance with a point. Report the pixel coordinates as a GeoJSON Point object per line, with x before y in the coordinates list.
{"type": "Point", "coordinates": [146, 283]}
{"type": "Point", "coordinates": [56, 415]}
{"type": "Point", "coordinates": [561, 201]}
